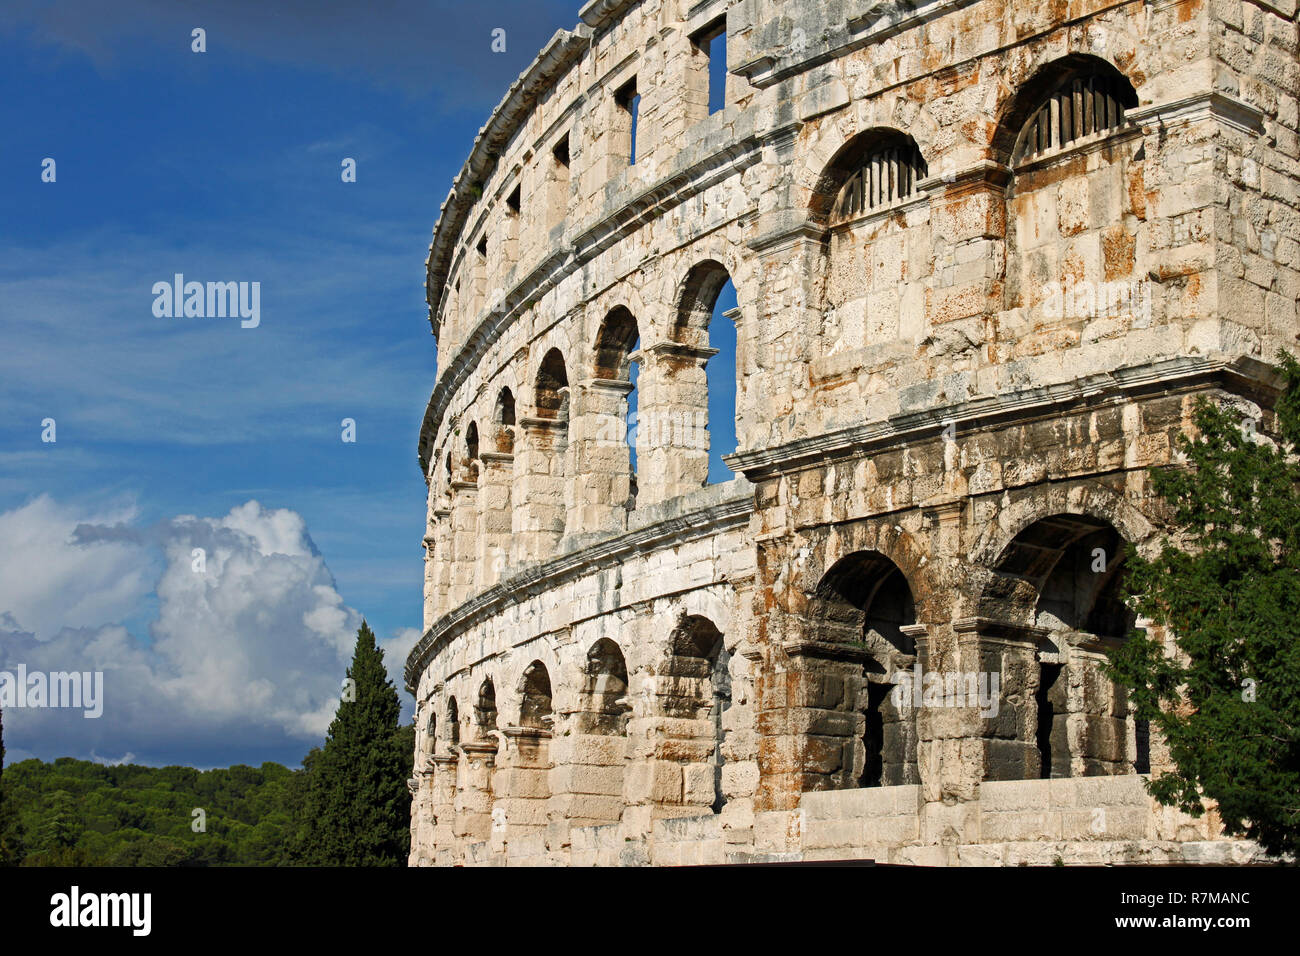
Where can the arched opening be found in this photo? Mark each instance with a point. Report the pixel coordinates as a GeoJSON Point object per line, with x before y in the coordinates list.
{"type": "Point", "coordinates": [471, 451]}
{"type": "Point", "coordinates": [539, 487]}
{"type": "Point", "coordinates": [874, 170]}
{"type": "Point", "coordinates": [617, 374]}
{"type": "Point", "coordinates": [699, 669]}
{"type": "Point", "coordinates": [503, 416]}
{"type": "Point", "coordinates": [485, 709]}
{"type": "Point", "coordinates": [453, 723]}
{"type": "Point", "coordinates": [605, 706]}
{"type": "Point", "coordinates": [600, 736]}
{"type": "Point", "coordinates": [1061, 579]}
{"type": "Point", "coordinates": [1066, 101]}
{"type": "Point", "coordinates": [702, 373]}
{"type": "Point", "coordinates": [551, 395]}
{"type": "Point", "coordinates": [430, 742]}
{"type": "Point", "coordinates": [864, 599]}
{"type": "Point", "coordinates": [535, 708]}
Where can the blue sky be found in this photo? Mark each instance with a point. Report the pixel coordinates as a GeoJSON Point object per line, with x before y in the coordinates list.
{"type": "Point", "coordinates": [176, 433]}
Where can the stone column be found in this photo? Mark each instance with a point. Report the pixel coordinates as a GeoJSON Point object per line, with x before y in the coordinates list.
{"type": "Point", "coordinates": [539, 490]}
{"type": "Point", "coordinates": [495, 515]}
{"type": "Point", "coordinates": [811, 720]}
{"type": "Point", "coordinates": [589, 753]}
{"type": "Point", "coordinates": [525, 780]}
{"type": "Point", "coordinates": [464, 546]}
{"type": "Point", "coordinates": [474, 797]}
{"type": "Point", "coordinates": [672, 438]}
{"type": "Point", "coordinates": [968, 218]}
{"type": "Point", "coordinates": [443, 805]}
{"type": "Point", "coordinates": [602, 489]}
{"type": "Point", "coordinates": [1007, 748]}
{"type": "Point", "coordinates": [442, 563]}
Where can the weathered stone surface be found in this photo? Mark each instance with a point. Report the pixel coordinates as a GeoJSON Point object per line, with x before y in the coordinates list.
{"type": "Point", "coordinates": [986, 257]}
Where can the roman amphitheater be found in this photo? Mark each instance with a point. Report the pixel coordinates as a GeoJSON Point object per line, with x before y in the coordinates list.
{"type": "Point", "coordinates": [986, 254]}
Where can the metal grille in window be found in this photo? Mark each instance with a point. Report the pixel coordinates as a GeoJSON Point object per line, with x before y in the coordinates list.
{"type": "Point", "coordinates": [1085, 106]}
{"type": "Point", "coordinates": [885, 176]}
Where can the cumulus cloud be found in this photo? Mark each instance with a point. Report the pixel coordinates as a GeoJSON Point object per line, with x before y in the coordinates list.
{"type": "Point", "coordinates": [245, 655]}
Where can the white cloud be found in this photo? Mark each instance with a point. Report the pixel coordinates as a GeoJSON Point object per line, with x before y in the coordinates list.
{"type": "Point", "coordinates": [248, 653]}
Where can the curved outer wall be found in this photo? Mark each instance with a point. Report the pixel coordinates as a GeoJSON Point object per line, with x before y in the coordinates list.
{"type": "Point", "coordinates": [944, 403]}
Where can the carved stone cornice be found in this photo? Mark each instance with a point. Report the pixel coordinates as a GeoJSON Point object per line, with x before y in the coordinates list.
{"type": "Point", "coordinates": [986, 627]}
{"type": "Point", "coordinates": [698, 353]}
{"type": "Point", "coordinates": [1209, 104]}
{"type": "Point", "coordinates": [826, 650]}
{"type": "Point", "coordinates": [533, 424]}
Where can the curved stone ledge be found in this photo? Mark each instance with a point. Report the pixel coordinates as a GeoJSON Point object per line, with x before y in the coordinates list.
{"type": "Point", "coordinates": [1247, 375]}
{"type": "Point", "coordinates": [687, 518]}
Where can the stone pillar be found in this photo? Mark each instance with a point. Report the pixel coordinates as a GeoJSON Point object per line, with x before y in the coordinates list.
{"type": "Point", "coordinates": [539, 490]}
{"type": "Point", "coordinates": [443, 805]}
{"type": "Point", "coordinates": [442, 563]}
{"type": "Point", "coordinates": [672, 438]}
{"type": "Point", "coordinates": [810, 720]}
{"type": "Point", "coordinates": [464, 548]}
{"type": "Point", "coordinates": [589, 753]}
{"type": "Point", "coordinates": [495, 515]}
{"type": "Point", "coordinates": [968, 218]}
{"type": "Point", "coordinates": [525, 780]}
{"type": "Point", "coordinates": [602, 488]}
{"type": "Point", "coordinates": [1097, 723]}
{"type": "Point", "coordinates": [474, 796]}
{"type": "Point", "coordinates": [1007, 744]}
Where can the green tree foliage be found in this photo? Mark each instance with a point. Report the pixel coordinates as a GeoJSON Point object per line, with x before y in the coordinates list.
{"type": "Point", "coordinates": [77, 813]}
{"type": "Point", "coordinates": [356, 805]}
{"type": "Point", "coordinates": [1228, 705]}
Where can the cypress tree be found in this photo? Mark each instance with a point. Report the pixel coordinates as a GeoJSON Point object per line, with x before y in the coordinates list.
{"type": "Point", "coordinates": [357, 806]}
{"type": "Point", "coordinates": [1228, 702]}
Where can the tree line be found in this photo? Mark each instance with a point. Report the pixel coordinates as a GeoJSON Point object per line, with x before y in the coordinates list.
{"type": "Point", "coordinates": [348, 804]}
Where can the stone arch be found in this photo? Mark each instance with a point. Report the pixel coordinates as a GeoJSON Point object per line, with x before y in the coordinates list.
{"type": "Point", "coordinates": [429, 744]}
{"type": "Point", "coordinates": [695, 694]}
{"type": "Point", "coordinates": [893, 543]}
{"type": "Point", "coordinates": [695, 300]}
{"type": "Point", "coordinates": [551, 387]}
{"type": "Point", "coordinates": [503, 418]}
{"type": "Point", "coordinates": [535, 710]}
{"type": "Point", "coordinates": [615, 342]}
{"type": "Point", "coordinates": [849, 159]}
{"type": "Point", "coordinates": [528, 784]}
{"type": "Point", "coordinates": [471, 451]}
{"type": "Point", "coordinates": [1054, 593]}
{"type": "Point", "coordinates": [1089, 498]}
{"type": "Point", "coordinates": [453, 722]}
{"type": "Point", "coordinates": [864, 600]}
{"type": "Point", "coordinates": [485, 709]}
{"type": "Point", "coordinates": [600, 740]}
{"type": "Point", "coordinates": [603, 699]}
{"type": "Point", "coordinates": [822, 169]}
{"type": "Point", "coordinates": [1016, 110]}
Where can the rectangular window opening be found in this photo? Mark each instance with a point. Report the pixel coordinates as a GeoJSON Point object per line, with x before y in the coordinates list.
{"type": "Point", "coordinates": [514, 199]}
{"type": "Point", "coordinates": [712, 41]}
{"type": "Point", "coordinates": [561, 151]}
{"type": "Point", "coordinates": [629, 101]}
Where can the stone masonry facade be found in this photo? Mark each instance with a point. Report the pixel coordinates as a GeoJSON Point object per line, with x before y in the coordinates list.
{"type": "Point", "coordinates": [987, 254]}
